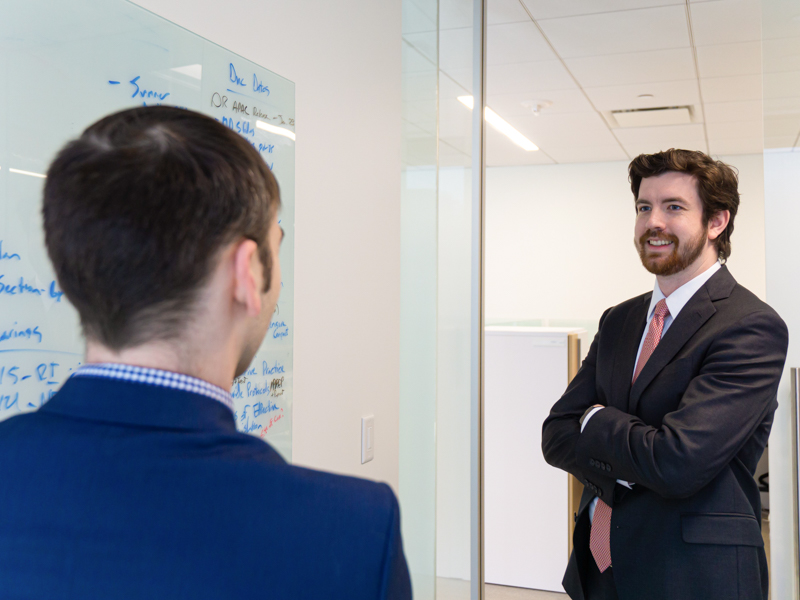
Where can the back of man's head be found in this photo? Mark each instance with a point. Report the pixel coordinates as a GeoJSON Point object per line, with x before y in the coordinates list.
{"type": "Point", "coordinates": [136, 210]}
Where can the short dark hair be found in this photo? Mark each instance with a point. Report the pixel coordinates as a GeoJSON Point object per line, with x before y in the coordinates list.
{"type": "Point", "coordinates": [717, 183]}
{"type": "Point", "coordinates": [136, 211]}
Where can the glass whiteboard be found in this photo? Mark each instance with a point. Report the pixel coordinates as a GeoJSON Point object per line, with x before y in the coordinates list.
{"type": "Point", "coordinates": [63, 65]}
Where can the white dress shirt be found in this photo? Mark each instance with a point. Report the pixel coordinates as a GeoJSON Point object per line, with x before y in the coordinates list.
{"type": "Point", "coordinates": [675, 303]}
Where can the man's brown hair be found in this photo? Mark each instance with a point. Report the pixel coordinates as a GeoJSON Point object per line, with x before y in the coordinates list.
{"type": "Point", "coordinates": [136, 211]}
{"type": "Point", "coordinates": [717, 184]}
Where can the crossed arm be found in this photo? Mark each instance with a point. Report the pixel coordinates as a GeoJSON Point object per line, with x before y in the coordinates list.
{"type": "Point", "coordinates": [719, 411]}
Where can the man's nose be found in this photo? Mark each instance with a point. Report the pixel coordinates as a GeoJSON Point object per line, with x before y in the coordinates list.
{"type": "Point", "coordinates": [655, 219]}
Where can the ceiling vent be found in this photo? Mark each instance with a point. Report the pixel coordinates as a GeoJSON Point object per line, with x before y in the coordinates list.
{"type": "Point", "coordinates": [650, 117]}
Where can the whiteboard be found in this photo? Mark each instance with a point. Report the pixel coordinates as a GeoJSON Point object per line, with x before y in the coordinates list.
{"type": "Point", "coordinates": [63, 65]}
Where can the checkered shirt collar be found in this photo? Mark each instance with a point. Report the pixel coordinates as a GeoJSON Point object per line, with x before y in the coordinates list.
{"type": "Point", "coordinates": [167, 379]}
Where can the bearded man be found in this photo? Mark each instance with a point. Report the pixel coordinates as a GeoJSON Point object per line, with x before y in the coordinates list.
{"type": "Point", "coordinates": [671, 410]}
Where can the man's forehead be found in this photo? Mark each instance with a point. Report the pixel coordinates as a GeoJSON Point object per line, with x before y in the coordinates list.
{"type": "Point", "coordinates": [669, 184]}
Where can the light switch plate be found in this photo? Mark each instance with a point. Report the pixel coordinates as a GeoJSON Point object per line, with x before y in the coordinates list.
{"type": "Point", "coordinates": [367, 439]}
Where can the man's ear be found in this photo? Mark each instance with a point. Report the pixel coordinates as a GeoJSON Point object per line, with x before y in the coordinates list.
{"type": "Point", "coordinates": [717, 224]}
{"type": "Point", "coordinates": [248, 277]}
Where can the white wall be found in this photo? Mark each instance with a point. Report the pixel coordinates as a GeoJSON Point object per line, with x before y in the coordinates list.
{"type": "Point", "coordinates": [782, 179]}
{"type": "Point", "coordinates": [344, 58]}
{"type": "Point", "coordinates": [559, 239]}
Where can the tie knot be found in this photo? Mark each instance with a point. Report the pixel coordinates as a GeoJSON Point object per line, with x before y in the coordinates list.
{"type": "Point", "coordinates": [661, 309]}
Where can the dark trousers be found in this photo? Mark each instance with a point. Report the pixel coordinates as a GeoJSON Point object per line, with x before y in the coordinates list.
{"type": "Point", "coordinates": [600, 586]}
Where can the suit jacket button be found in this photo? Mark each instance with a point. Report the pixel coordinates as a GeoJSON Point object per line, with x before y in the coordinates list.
{"type": "Point", "coordinates": [608, 468]}
{"type": "Point", "coordinates": [600, 492]}
{"type": "Point", "coordinates": [592, 462]}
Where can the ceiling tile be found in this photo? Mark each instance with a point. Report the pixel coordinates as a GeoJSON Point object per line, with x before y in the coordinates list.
{"type": "Point", "coordinates": [620, 97]}
{"type": "Point", "coordinates": [577, 153]}
{"type": "Point", "coordinates": [781, 55]}
{"type": "Point", "coordinates": [563, 101]}
{"type": "Point", "coordinates": [633, 67]}
{"type": "Point", "coordinates": [502, 151]}
{"type": "Point", "coordinates": [506, 11]}
{"type": "Point", "coordinates": [780, 20]}
{"type": "Point", "coordinates": [782, 126]}
{"type": "Point", "coordinates": [731, 89]}
{"type": "Point", "coordinates": [550, 9]}
{"type": "Point", "coordinates": [783, 141]}
{"type": "Point", "coordinates": [649, 140]}
{"type": "Point", "coordinates": [726, 21]}
{"type": "Point", "coordinates": [528, 78]}
{"type": "Point", "coordinates": [619, 32]}
{"type": "Point", "coordinates": [782, 85]}
{"type": "Point", "coordinates": [732, 131]}
{"type": "Point", "coordinates": [754, 145]}
{"type": "Point", "coordinates": [725, 60]}
{"type": "Point", "coordinates": [516, 43]}
{"type": "Point", "coordinates": [460, 78]}
{"type": "Point", "coordinates": [587, 128]}
{"type": "Point", "coordinates": [732, 112]}
{"type": "Point", "coordinates": [781, 107]}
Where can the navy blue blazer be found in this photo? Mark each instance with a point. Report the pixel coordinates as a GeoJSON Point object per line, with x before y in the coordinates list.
{"type": "Point", "coordinates": [125, 490]}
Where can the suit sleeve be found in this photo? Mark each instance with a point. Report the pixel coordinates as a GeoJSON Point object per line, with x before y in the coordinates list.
{"type": "Point", "coordinates": [395, 580]}
{"type": "Point", "coordinates": [734, 390]}
{"type": "Point", "coordinates": [562, 430]}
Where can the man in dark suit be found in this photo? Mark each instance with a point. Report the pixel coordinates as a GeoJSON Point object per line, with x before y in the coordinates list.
{"type": "Point", "coordinates": [132, 482]}
{"type": "Point", "coordinates": [671, 410]}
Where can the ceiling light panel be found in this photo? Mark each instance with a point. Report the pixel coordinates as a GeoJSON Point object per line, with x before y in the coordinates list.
{"type": "Point", "coordinates": [619, 32]}
{"type": "Point", "coordinates": [651, 117]}
{"type": "Point", "coordinates": [671, 93]}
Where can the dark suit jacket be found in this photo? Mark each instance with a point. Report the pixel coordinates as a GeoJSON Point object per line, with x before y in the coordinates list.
{"type": "Point", "coordinates": [123, 490]}
{"type": "Point", "coordinates": [689, 434]}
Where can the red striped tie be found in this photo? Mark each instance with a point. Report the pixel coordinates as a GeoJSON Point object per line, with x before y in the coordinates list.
{"type": "Point", "coordinates": [600, 537]}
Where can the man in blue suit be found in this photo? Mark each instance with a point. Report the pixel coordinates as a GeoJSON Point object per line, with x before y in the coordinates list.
{"type": "Point", "coordinates": [132, 482]}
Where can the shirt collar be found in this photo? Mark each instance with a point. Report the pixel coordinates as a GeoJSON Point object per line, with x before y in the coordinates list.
{"type": "Point", "coordinates": [678, 299]}
{"type": "Point", "coordinates": [157, 377]}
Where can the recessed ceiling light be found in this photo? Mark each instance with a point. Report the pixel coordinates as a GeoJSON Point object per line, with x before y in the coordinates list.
{"type": "Point", "coordinates": [645, 96]}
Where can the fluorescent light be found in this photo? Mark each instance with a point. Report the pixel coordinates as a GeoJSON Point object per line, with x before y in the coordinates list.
{"type": "Point", "coordinates": [276, 130]}
{"type": "Point", "coordinates": [32, 174]}
{"type": "Point", "coordinates": [501, 125]}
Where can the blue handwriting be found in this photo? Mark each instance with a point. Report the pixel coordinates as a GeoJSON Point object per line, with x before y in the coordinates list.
{"type": "Point", "coordinates": [145, 93]}
{"type": "Point", "coordinates": [234, 77]}
{"type": "Point", "coordinates": [6, 255]}
{"type": "Point", "coordinates": [266, 369]}
{"type": "Point", "coordinates": [26, 333]}
{"type": "Point", "coordinates": [258, 86]}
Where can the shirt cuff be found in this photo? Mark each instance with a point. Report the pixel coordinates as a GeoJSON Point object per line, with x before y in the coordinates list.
{"type": "Point", "coordinates": [589, 416]}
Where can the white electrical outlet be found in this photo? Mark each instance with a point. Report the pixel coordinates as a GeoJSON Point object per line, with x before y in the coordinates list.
{"type": "Point", "coordinates": [367, 439]}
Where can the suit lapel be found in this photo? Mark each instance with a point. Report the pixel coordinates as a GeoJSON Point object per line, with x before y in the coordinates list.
{"type": "Point", "coordinates": [691, 318]}
{"type": "Point", "coordinates": [625, 357]}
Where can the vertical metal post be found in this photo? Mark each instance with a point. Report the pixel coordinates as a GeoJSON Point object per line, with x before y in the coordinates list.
{"type": "Point", "coordinates": [794, 411]}
{"type": "Point", "coordinates": [477, 333]}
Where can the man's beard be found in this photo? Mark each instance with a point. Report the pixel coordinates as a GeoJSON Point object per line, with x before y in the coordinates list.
{"type": "Point", "coordinates": [680, 257]}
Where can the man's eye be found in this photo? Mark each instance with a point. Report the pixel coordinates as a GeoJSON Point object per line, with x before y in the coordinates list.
{"type": "Point", "coordinates": [642, 208]}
